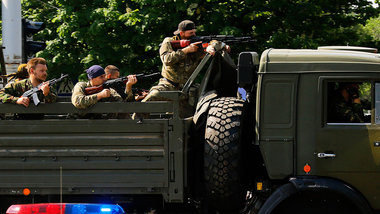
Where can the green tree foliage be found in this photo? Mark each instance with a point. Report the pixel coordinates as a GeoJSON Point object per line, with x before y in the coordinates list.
{"type": "Point", "coordinates": [369, 33]}
{"type": "Point", "coordinates": [127, 33]}
{"type": "Point", "coordinates": [372, 29]}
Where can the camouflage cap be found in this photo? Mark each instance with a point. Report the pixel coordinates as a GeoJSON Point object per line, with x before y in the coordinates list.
{"type": "Point", "coordinates": [184, 26]}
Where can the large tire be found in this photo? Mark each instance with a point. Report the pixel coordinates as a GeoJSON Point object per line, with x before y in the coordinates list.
{"type": "Point", "coordinates": [223, 155]}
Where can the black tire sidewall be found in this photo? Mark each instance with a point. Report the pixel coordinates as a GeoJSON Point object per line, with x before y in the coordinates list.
{"type": "Point", "coordinates": [223, 155]}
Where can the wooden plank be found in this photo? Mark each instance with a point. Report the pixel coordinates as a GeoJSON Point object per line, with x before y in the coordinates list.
{"type": "Point", "coordinates": [122, 164]}
{"type": "Point", "coordinates": [85, 178]}
{"type": "Point", "coordinates": [107, 139]}
{"type": "Point", "coordinates": [102, 152]}
{"type": "Point", "coordinates": [102, 107]}
{"type": "Point", "coordinates": [81, 126]}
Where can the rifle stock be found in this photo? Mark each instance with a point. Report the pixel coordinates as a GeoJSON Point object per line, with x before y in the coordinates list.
{"type": "Point", "coordinates": [93, 89]}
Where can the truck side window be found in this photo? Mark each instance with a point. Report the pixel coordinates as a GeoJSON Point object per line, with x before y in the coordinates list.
{"type": "Point", "coordinates": [349, 102]}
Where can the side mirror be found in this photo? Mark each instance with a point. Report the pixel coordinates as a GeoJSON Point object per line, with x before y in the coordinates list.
{"type": "Point", "coordinates": [248, 64]}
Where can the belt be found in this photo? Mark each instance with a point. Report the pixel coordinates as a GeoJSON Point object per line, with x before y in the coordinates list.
{"type": "Point", "coordinates": [171, 82]}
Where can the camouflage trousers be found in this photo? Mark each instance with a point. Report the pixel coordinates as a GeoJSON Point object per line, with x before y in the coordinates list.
{"type": "Point", "coordinates": [187, 104]}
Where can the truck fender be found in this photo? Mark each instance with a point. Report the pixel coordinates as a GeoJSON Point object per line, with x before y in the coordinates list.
{"type": "Point", "coordinates": [277, 197]}
{"type": "Point", "coordinates": [301, 184]}
{"type": "Point", "coordinates": [203, 104]}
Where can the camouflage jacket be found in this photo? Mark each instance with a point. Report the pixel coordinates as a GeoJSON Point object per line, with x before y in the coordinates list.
{"type": "Point", "coordinates": [346, 112]}
{"type": "Point", "coordinates": [14, 90]}
{"type": "Point", "coordinates": [176, 66]}
{"type": "Point", "coordinates": [83, 101]}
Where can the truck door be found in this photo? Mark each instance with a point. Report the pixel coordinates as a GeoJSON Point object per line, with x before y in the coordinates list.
{"type": "Point", "coordinates": [348, 141]}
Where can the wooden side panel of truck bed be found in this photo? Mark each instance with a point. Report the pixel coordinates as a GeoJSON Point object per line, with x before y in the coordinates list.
{"type": "Point", "coordinates": [99, 156]}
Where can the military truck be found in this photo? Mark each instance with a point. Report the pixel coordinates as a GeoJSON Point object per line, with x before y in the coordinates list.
{"type": "Point", "coordinates": [278, 149]}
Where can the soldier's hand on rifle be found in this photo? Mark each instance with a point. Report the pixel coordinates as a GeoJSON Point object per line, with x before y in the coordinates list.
{"type": "Point", "coordinates": [23, 101]}
{"type": "Point", "coordinates": [228, 48]}
{"type": "Point", "coordinates": [104, 94]}
{"type": "Point", "coordinates": [211, 50]}
{"type": "Point", "coordinates": [131, 81]}
{"type": "Point", "coordinates": [193, 47]}
{"type": "Point", "coordinates": [45, 88]}
{"type": "Point", "coordinates": [215, 45]}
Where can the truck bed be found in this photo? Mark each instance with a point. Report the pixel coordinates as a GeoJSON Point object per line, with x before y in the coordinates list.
{"type": "Point", "coordinates": [92, 156]}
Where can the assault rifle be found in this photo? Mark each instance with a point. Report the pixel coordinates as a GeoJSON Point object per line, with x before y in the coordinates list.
{"type": "Point", "coordinates": [115, 83]}
{"type": "Point", "coordinates": [204, 40]}
{"type": "Point", "coordinates": [33, 93]}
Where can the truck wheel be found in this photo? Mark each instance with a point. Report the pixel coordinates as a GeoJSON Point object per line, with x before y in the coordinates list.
{"type": "Point", "coordinates": [222, 155]}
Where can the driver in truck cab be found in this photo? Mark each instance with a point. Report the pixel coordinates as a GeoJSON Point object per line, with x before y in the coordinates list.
{"type": "Point", "coordinates": [346, 105]}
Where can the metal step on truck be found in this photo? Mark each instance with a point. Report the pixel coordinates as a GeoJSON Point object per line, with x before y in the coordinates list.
{"type": "Point", "coordinates": [305, 138]}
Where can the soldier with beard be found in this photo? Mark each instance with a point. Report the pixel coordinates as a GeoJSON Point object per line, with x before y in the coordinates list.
{"type": "Point", "coordinates": [177, 65]}
{"type": "Point", "coordinates": [13, 91]}
{"type": "Point", "coordinates": [37, 70]}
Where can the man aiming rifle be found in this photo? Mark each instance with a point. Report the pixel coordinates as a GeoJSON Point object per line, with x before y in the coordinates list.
{"type": "Point", "coordinates": [118, 83]}
{"type": "Point", "coordinates": [178, 63]}
{"type": "Point", "coordinates": [112, 73]}
{"type": "Point", "coordinates": [96, 75]}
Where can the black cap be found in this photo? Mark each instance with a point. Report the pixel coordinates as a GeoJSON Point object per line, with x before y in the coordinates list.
{"type": "Point", "coordinates": [184, 26]}
{"type": "Point", "coordinates": [95, 71]}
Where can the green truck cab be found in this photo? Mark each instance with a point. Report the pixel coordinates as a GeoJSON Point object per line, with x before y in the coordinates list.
{"type": "Point", "coordinates": [280, 149]}
{"type": "Point", "coordinates": [299, 135]}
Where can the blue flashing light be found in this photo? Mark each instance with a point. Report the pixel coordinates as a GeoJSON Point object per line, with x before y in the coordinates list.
{"type": "Point", "coordinates": [63, 208]}
{"type": "Point", "coordinates": [94, 209]}
{"type": "Point", "coordinates": [105, 209]}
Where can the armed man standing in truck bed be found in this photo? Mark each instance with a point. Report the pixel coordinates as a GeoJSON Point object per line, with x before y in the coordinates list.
{"type": "Point", "coordinates": [37, 69]}
{"type": "Point", "coordinates": [177, 65]}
